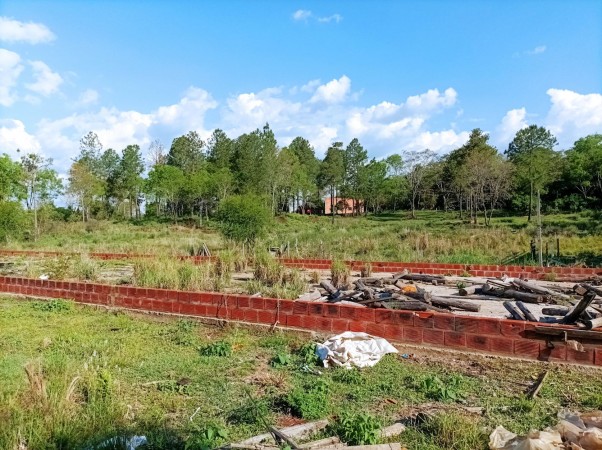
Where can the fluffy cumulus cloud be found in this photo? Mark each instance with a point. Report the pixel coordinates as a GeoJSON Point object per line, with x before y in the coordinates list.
{"type": "Point", "coordinates": [13, 136]}
{"type": "Point", "coordinates": [46, 82]}
{"type": "Point", "coordinates": [335, 91]}
{"type": "Point", "coordinates": [514, 120]}
{"type": "Point", "coordinates": [88, 97]}
{"type": "Point", "coordinates": [10, 70]}
{"type": "Point", "coordinates": [12, 30]}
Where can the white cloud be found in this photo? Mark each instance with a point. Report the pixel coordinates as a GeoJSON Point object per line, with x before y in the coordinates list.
{"type": "Point", "coordinates": [88, 97]}
{"type": "Point", "coordinates": [333, 18]}
{"type": "Point", "coordinates": [438, 141]}
{"type": "Point", "coordinates": [13, 136]}
{"type": "Point", "coordinates": [310, 86]}
{"type": "Point", "coordinates": [334, 91]}
{"type": "Point", "coordinates": [431, 100]}
{"type": "Point", "coordinates": [188, 112]}
{"type": "Point", "coordinates": [514, 120]}
{"type": "Point", "coordinates": [301, 14]}
{"type": "Point", "coordinates": [574, 115]}
{"type": "Point", "coordinates": [12, 30]}
{"type": "Point", "coordinates": [46, 81]}
{"type": "Point", "coordinates": [10, 70]}
{"type": "Point", "coordinates": [537, 50]}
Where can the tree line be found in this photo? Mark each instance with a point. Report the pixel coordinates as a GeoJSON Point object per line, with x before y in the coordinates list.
{"type": "Point", "coordinates": [193, 176]}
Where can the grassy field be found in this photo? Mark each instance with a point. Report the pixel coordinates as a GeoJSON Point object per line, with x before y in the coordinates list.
{"type": "Point", "coordinates": [73, 376]}
{"type": "Point", "coordinates": [433, 236]}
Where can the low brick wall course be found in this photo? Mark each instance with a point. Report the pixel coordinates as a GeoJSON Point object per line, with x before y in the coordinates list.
{"type": "Point", "coordinates": [472, 334]}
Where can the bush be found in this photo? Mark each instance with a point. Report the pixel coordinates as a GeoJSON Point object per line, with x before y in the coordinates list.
{"type": "Point", "coordinates": [357, 429]}
{"type": "Point", "coordinates": [310, 401]}
{"type": "Point", "coordinates": [243, 218]}
{"type": "Point", "coordinates": [13, 221]}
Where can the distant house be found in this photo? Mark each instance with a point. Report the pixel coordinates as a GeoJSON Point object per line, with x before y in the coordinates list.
{"type": "Point", "coordinates": [342, 206]}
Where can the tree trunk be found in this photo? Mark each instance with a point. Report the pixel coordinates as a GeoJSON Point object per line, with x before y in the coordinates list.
{"type": "Point", "coordinates": [530, 200]}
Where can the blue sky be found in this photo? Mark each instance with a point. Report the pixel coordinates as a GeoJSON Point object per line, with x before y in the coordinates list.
{"type": "Point", "coordinates": [399, 75]}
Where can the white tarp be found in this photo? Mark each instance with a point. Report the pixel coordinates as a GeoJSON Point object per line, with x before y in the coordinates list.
{"type": "Point", "coordinates": [573, 432]}
{"type": "Point", "coordinates": [351, 349]}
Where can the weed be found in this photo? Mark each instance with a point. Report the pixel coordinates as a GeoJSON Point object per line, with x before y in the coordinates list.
{"type": "Point", "coordinates": [314, 277]}
{"type": "Point", "coordinates": [281, 360]}
{"type": "Point", "coordinates": [339, 273]}
{"type": "Point", "coordinates": [250, 412]}
{"type": "Point", "coordinates": [308, 356]}
{"type": "Point", "coordinates": [347, 376]}
{"type": "Point", "coordinates": [206, 437]}
{"type": "Point", "coordinates": [56, 306]}
{"type": "Point", "coordinates": [220, 348]}
{"type": "Point", "coordinates": [310, 401]}
{"type": "Point", "coordinates": [444, 391]}
{"type": "Point", "coordinates": [454, 431]}
{"type": "Point", "coordinates": [550, 276]}
{"type": "Point", "coordinates": [366, 270]}
{"type": "Point", "coordinates": [357, 429]}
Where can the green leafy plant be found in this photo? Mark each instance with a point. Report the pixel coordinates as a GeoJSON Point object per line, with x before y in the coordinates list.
{"type": "Point", "coordinates": [243, 218]}
{"type": "Point", "coordinates": [307, 355]}
{"type": "Point", "coordinates": [310, 401]}
{"type": "Point", "coordinates": [207, 437]}
{"type": "Point", "coordinates": [57, 306]}
{"type": "Point", "coordinates": [281, 360]}
{"type": "Point", "coordinates": [357, 429]}
{"type": "Point", "coordinates": [444, 391]}
{"type": "Point", "coordinates": [219, 348]}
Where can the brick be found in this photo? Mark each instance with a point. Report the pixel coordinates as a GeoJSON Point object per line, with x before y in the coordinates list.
{"type": "Point", "coordinates": [467, 324]}
{"type": "Point", "coordinates": [211, 310]}
{"type": "Point", "coordinates": [512, 328]}
{"type": "Point", "coordinates": [455, 339]}
{"type": "Point", "coordinates": [411, 334]}
{"type": "Point", "coordinates": [526, 348]}
{"type": "Point", "coordinates": [598, 357]}
{"type": "Point", "coordinates": [357, 326]}
{"type": "Point", "coordinates": [394, 332]}
{"type": "Point", "coordinates": [316, 323]}
{"type": "Point", "coordinates": [183, 297]}
{"type": "Point", "coordinates": [555, 352]}
{"type": "Point", "coordinates": [300, 308]}
{"type": "Point", "coordinates": [244, 301]}
{"type": "Point", "coordinates": [405, 318]}
{"type": "Point", "coordinates": [383, 316]}
{"type": "Point", "coordinates": [434, 337]}
{"type": "Point", "coordinates": [187, 308]}
{"type": "Point", "coordinates": [424, 320]}
{"type": "Point", "coordinates": [445, 322]}
{"type": "Point", "coordinates": [268, 317]}
{"type": "Point", "coordinates": [478, 342]}
{"type": "Point", "coordinates": [257, 303]}
{"type": "Point", "coordinates": [330, 310]}
{"type": "Point", "coordinates": [271, 304]}
{"type": "Point", "coordinates": [250, 315]}
{"type": "Point", "coordinates": [586, 357]}
{"type": "Point", "coordinates": [375, 329]}
{"type": "Point", "coordinates": [488, 326]}
{"type": "Point", "coordinates": [286, 306]}
{"type": "Point", "coordinates": [314, 308]}
{"type": "Point", "coordinates": [364, 314]}
{"type": "Point", "coordinates": [340, 325]}
{"type": "Point", "coordinates": [294, 321]}
{"type": "Point", "coordinates": [501, 345]}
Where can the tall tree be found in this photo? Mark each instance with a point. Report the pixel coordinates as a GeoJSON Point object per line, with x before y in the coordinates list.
{"type": "Point", "coordinates": [332, 172]}
{"type": "Point", "coordinates": [532, 151]}
{"type": "Point", "coordinates": [11, 179]}
{"type": "Point", "coordinates": [220, 149]}
{"type": "Point", "coordinates": [584, 165]}
{"type": "Point", "coordinates": [129, 178]}
{"type": "Point", "coordinates": [354, 158]}
{"type": "Point", "coordinates": [41, 183]}
{"type": "Point", "coordinates": [186, 152]}
{"type": "Point", "coordinates": [416, 164]}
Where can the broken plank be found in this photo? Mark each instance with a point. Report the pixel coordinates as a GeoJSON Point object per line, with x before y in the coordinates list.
{"type": "Point", "coordinates": [526, 312]}
{"type": "Point", "coordinates": [295, 431]}
{"type": "Point", "coordinates": [514, 312]}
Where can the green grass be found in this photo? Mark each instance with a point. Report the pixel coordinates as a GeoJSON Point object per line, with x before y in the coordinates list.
{"type": "Point", "coordinates": [97, 374]}
{"type": "Point", "coordinates": [434, 236]}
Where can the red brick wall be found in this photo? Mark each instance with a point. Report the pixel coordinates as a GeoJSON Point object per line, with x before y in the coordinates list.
{"type": "Point", "coordinates": [477, 270]}
{"type": "Point", "coordinates": [474, 334]}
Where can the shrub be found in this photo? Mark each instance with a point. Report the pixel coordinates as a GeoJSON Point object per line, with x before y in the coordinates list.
{"type": "Point", "coordinates": [219, 348]}
{"type": "Point", "coordinates": [13, 221]}
{"type": "Point", "coordinates": [357, 429]}
{"type": "Point", "coordinates": [444, 391]}
{"type": "Point", "coordinates": [310, 401]}
{"type": "Point", "coordinates": [243, 218]}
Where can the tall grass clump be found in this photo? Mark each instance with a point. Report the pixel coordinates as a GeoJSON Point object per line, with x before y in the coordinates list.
{"type": "Point", "coordinates": [339, 273]}
{"type": "Point", "coordinates": [273, 279]}
{"type": "Point", "coordinates": [167, 273]}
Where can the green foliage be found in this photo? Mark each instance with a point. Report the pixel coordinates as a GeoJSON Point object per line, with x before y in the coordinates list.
{"type": "Point", "coordinates": [281, 360]}
{"type": "Point", "coordinates": [13, 221]}
{"type": "Point", "coordinates": [357, 428]}
{"type": "Point", "coordinates": [206, 437]}
{"type": "Point", "coordinates": [55, 306]}
{"type": "Point", "coordinates": [339, 273]}
{"type": "Point", "coordinates": [447, 390]}
{"type": "Point", "coordinates": [307, 354]}
{"type": "Point", "coordinates": [243, 219]}
{"type": "Point", "coordinates": [221, 349]}
{"type": "Point", "coordinates": [311, 400]}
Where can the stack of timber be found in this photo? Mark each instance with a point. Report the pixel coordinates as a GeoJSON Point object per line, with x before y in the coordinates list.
{"type": "Point", "coordinates": [396, 292]}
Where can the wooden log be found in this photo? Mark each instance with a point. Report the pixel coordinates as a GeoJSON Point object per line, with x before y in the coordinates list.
{"type": "Point", "coordinates": [514, 312]}
{"type": "Point", "coordinates": [392, 430]}
{"type": "Point", "coordinates": [371, 281]}
{"type": "Point", "coordinates": [284, 438]}
{"type": "Point", "coordinates": [539, 289]}
{"type": "Point", "coordinates": [579, 308]}
{"type": "Point", "coordinates": [409, 306]}
{"type": "Point", "coordinates": [458, 304]}
{"type": "Point", "coordinates": [555, 311]}
{"type": "Point", "coordinates": [538, 385]}
{"type": "Point", "coordinates": [296, 431]}
{"type": "Point", "coordinates": [525, 297]}
{"type": "Point", "coordinates": [423, 277]}
{"type": "Point", "coordinates": [526, 312]}
{"type": "Point", "coordinates": [564, 333]}
{"type": "Point", "coordinates": [333, 293]}
{"type": "Point", "coordinates": [470, 290]}
{"type": "Point", "coordinates": [329, 441]}
{"type": "Point", "coordinates": [593, 323]}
